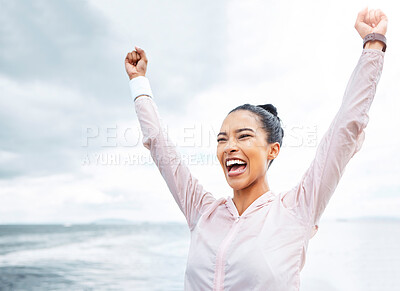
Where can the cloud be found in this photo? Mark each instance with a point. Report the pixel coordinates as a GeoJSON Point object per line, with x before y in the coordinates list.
{"type": "Point", "coordinates": [58, 42]}
{"type": "Point", "coordinates": [61, 64]}
{"type": "Point", "coordinates": [62, 82]}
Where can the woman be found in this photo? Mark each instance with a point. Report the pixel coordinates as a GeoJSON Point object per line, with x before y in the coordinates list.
{"type": "Point", "coordinates": [258, 239]}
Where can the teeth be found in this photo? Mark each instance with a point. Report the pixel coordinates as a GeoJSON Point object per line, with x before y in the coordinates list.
{"type": "Point", "coordinates": [231, 162]}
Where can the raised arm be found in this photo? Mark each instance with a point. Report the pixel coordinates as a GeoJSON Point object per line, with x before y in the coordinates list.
{"type": "Point", "coordinates": [188, 193]}
{"type": "Point", "coordinates": [345, 136]}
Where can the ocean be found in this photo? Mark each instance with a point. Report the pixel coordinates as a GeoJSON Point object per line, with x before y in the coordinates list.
{"type": "Point", "coordinates": [343, 255]}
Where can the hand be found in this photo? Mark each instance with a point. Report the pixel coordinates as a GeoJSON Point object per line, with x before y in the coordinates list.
{"type": "Point", "coordinates": [136, 63]}
{"type": "Point", "coordinates": [371, 21]}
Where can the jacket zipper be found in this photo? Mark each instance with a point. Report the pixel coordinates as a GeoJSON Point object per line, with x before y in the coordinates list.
{"type": "Point", "coordinates": [219, 271]}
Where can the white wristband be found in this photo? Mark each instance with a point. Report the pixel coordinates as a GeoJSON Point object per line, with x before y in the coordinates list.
{"type": "Point", "coordinates": [140, 86]}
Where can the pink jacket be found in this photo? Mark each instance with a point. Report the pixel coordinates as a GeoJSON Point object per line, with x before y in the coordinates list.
{"type": "Point", "coordinates": [265, 247]}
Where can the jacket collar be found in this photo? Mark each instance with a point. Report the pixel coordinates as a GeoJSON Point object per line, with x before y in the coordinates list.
{"type": "Point", "coordinates": [261, 201]}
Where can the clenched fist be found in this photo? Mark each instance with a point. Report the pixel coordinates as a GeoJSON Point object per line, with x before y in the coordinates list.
{"type": "Point", "coordinates": [369, 21]}
{"type": "Point", "coordinates": [136, 63]}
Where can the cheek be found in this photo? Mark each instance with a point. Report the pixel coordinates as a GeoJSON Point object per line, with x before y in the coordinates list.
{"type": "Point", "coordinates": [219, 154]}
{"type": "Point", "coordinates": [257, 158]}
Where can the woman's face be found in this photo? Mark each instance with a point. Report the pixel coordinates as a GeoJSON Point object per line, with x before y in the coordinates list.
{"type": "Point", "coordinates": [242, 138]}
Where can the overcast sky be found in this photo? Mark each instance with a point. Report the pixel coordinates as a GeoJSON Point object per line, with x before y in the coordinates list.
{"type": "Point", "coordinates": [70, 141]}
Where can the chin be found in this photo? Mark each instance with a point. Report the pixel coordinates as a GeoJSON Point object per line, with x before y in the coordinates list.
{"type": "Point", "coordinates": [236, 185]}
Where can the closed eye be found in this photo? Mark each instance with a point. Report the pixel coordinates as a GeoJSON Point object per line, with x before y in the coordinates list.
{"type": "Point", "coordinates": [241, 136]}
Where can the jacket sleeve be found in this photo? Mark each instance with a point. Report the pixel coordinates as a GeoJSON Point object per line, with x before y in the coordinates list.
{"type": "Point", "coordinates": [188, 193]}
{"type": "Point", "coordinates": [343, 139]}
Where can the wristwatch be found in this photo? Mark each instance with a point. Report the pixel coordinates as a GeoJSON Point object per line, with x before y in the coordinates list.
{"type": "Point", "coordinates": [375, 36]}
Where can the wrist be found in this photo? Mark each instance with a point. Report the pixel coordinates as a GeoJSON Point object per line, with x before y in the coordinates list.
{"type": "Point", "coordinates": [376, 44]}
{"type": "Point", "coordinates": [135, 75]}
{"type": "Point", "coordinates": [375, 40]}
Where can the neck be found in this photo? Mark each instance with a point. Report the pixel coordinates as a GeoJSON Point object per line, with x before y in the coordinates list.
{"type": "Point", "coordinates": [243, 198]}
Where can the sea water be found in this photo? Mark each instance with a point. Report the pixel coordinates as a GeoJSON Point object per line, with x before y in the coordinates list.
{"type": "Point", "coordinates": [344, 255]}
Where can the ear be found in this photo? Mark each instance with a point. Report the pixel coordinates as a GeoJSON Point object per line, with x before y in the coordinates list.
{"type": "Point", "coordinates": [273, 150]}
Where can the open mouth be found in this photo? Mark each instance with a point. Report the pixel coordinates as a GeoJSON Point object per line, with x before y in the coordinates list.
{"type": "Point", "coordinates": [236, 167]}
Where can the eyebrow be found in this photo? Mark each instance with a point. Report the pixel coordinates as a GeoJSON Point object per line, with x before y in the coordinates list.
{"type": "Point", "coordinates": [237, 130]}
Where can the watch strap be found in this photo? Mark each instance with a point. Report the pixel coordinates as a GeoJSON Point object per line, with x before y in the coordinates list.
{"type": "Point", "coordinates": [375, 36]}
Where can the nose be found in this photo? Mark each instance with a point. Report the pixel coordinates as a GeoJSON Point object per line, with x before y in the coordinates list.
{"type": "Point", "coordinates": [230, 146]}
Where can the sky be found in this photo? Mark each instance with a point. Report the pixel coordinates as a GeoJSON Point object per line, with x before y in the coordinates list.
{"type": "Point", "coordinates": [70, 143]}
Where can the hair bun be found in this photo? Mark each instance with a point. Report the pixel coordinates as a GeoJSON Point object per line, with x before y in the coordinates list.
{"type": "Point", "coordinates": [270, 108]}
